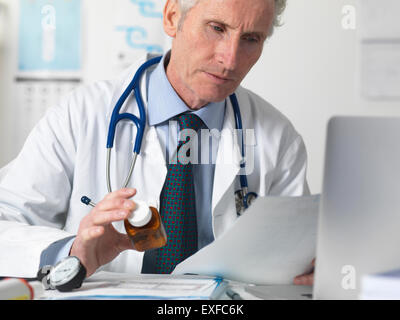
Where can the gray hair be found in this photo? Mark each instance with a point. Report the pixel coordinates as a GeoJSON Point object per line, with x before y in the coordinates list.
{"type": "Point", "coordinates": [280, 5]}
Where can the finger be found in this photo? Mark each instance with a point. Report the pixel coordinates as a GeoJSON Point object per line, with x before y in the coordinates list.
{"type": "Point", "coordinates": [114, 204]}
{"type": "Point", "coordinates": [89, 234]}
{"type": "Point", "coordinates": [103, 218]}
{"type": "Point", "coordinates": [121, 193]}
{"type": "Point", "coordinates": [309, 279]}
{"type": "Point", "coordinates": [305, 280]}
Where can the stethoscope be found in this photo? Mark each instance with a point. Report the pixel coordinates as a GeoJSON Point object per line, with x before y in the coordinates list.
{"type": "Point", "coordinates": [243, 197]}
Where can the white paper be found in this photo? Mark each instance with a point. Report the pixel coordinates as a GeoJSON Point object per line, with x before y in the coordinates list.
{"type": "Point", "coordinates": [109, 285]}
{"type": "Point", "coordinates": [380, 286]}
{"type": "Point", "coordinates": [274, 241]}
{"type": "Point", "coordinates": [379, 19]}
{"type": "Point", "coordinates": [380, 49]}
{"type": "Point", "coordinates": [380, 65]}
{"type": "Point", "coordinates": [32, 100]}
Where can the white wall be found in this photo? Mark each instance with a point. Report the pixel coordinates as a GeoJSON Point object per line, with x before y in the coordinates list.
{"type": "Point", "coordinates": [309, 70]}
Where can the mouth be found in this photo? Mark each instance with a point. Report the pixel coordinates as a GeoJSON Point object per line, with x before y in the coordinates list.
{"type": "Point", "coordinates": [219, 79]}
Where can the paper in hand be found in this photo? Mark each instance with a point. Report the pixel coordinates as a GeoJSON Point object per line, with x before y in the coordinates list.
{"type": "Point", "coordinates": [272, 243]}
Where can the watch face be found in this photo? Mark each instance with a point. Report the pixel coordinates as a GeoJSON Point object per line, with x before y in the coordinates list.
{"type": "Point", "coordinates": [64, 271]}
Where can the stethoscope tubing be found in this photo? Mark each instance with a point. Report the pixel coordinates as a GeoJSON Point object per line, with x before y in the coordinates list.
{"type": "Point", "coordinates": [140, 123]}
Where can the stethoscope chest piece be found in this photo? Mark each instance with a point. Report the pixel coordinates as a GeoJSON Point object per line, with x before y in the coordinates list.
{"type": "Point", "coordinates": [244, 201]}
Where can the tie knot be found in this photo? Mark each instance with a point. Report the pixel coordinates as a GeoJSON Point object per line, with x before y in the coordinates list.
{"type": "Point", "coordinates": [190, 121]}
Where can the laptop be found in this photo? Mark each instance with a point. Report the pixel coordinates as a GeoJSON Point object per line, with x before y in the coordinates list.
{"type": "Point", "coordinates": [359, 222]}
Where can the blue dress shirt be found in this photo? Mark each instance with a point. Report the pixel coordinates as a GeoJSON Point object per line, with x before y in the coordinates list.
{"type": "Point", "coordinates": [163, 105]}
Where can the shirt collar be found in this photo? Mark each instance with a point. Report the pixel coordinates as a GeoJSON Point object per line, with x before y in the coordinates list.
{"type": "Point", "coordinates": [164, 103]}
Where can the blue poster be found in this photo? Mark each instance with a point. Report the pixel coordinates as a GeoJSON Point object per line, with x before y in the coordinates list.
{"type": "Point", "coordinates": [50, 35]}
{"type": "Point", "coordinates": [138, 29]}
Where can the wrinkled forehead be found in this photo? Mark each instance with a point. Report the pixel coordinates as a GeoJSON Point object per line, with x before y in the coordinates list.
{"type": "Point", "coordinates": [249, 15]}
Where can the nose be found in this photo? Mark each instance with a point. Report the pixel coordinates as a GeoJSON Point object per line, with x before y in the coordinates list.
{"type": "Point", "coordinates": [228, 53]}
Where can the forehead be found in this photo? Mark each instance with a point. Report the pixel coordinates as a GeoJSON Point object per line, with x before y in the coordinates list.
{"type": "Point", "coordinates": [252, 15]}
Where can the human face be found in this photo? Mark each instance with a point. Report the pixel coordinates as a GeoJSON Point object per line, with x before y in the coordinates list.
{"type": "Point", "coordinates": [215, 46]}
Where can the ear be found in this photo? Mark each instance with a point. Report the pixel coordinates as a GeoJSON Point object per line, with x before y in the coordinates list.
{"type": "Point", "coordinates": [171, 17]}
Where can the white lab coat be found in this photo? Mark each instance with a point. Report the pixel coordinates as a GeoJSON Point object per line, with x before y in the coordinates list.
{"type": "Point", "coordinates": [64, 159]}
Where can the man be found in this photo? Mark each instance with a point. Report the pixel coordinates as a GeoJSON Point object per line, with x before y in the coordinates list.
{"type": "Point", "coordinates": [215, 44]}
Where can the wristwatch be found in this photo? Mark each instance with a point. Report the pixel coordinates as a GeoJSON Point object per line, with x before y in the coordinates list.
{"type": "Point", "coordinates": [66, 275]}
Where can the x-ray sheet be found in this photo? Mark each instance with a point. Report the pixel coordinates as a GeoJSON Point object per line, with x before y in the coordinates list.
{"type": "Point", "coordinates": [274, 241]}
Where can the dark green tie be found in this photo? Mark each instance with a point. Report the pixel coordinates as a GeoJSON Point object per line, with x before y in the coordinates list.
{"type": "Point", "coordinates": [177, 209]}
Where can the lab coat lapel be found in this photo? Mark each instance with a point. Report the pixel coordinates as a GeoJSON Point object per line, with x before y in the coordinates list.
{"type": "Point", "coordinates": [227, 166]}
{"type": "Point", "coordinates": [150, 169]}
{"type": "Point", "coordinates": [151, 164]}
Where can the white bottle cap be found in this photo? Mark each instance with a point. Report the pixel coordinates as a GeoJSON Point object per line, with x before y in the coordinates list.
{"type": "Point", "coordinates": [141, 216]}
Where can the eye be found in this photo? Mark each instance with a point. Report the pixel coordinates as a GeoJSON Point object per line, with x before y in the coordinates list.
{"type": "Point", "coordinates": [217, 28]}
{"type": "Point", "coordinates": [251, 39]}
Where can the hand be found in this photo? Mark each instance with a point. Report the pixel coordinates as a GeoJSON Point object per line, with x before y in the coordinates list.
{"type": "Point", "coordinates": [97, 241]}
{"type": "Point", "coordinates": [306, 279]}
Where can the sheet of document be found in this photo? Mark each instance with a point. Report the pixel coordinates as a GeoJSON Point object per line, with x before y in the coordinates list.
{"type": "Point", "coordinates": [380, 65]}
{"type": "Point", "coordinates": [379, 19]}
{"type": "Point", "coordinates": [379, 34]}
{"type": "Point", "coordinates": [274, 241]}
{"type": "Point", "coordinates": [109, 285]}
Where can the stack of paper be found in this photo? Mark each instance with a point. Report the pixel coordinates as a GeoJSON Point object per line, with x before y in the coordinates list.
{"type": "Point", "coordinates": [381, 286]}
{"type": "Point", "coordinates": [107, 285]}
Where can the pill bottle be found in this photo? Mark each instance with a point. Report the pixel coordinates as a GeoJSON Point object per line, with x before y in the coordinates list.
{"type": "Point", "coordinates": [145, 228]}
